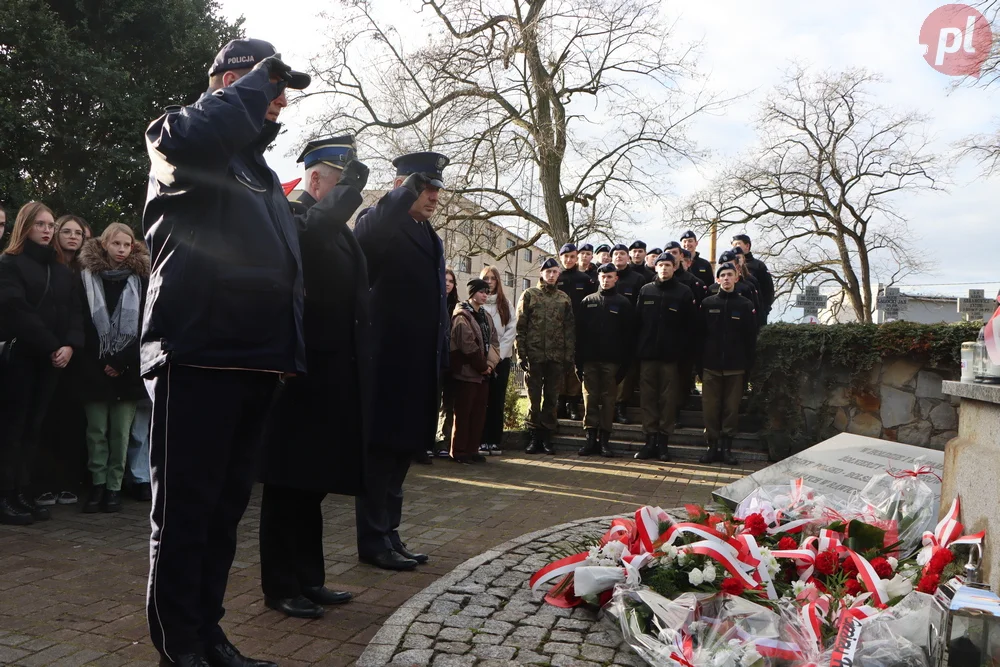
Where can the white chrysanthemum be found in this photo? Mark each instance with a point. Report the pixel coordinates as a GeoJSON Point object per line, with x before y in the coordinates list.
{"type": "Point", "coordinates": [750, 657]}
{"type": "Point", "coordinates": [695, 577]}
{"type": "Point", "coordinates": [800, 587]}
{"type": "Point", "coordinates": [770, 562]}
{"type": "Point", "coordinates": [594, 554]}
{"type": "Point", "coordinates": [893, 563]}
{"type": "Point", "coordinates": [849, 600]}
{"type": "Point", "coordinates": [669, 551]}
{"type": "Point", "coordinates": [681, 557]}
{"type": "Point", "coordinates": [709, 573]}
{"type": "Point", "coordinates": [898, 586]}
{"type": "Point", "coordinates": [613, 550]}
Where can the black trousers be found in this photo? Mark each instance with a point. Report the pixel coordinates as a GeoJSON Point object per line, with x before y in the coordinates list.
{"type": "Point", "coordinates": [379, 509]}
{"type": "Point", "coordinates": [28, 383]}
{"type": "Point", "coordinates": [291, 541]}
{"type": "Point", "coordinates": [205, 440]}
{"type": "Point", "coordinates": [493, 429]}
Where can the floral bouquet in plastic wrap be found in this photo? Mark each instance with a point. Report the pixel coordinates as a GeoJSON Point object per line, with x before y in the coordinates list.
{"type": "Point", "coordinates": [905, 502]}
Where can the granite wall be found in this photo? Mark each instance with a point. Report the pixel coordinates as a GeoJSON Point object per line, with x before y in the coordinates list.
{"type": "Point", "coordinates": [899, 400]}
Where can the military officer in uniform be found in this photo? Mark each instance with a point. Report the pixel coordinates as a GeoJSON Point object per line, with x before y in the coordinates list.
{"type": "Point", "coordinates": [604, 347]}
{"type": "Point", "coordinates": [410, 326]}
{"type": "Point", "coordinates": [637, 252]}
{"type": "Point", "coordinates": [586, 261]}
{"type": "Point", "coordinates": [630, 281]}
{"type": "Point", "coordinates": [546, 349]}
{"type": "Point", "coordinates": [700, 267]}
{"type": "Point", "coordinates": [314, 438]}
{"type": "Point", "coordinates": [682, 275]}
{"type": "Point", "coordinates": [758, 269]}
{"type": "Point", "coordinates": [576, 284]}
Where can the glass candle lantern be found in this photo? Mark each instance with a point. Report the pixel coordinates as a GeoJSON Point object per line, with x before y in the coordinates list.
{"type": "Point", "coordinates": [965, 622]}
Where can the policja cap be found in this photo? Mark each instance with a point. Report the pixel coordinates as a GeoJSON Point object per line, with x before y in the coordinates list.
{"type": "Point", "coordinates": [604, 247]}
{"type": "Point", "coordinates": [334, 151]}
{"type": "Point", "coordinates": [428, 163]}
{"type": "Point", "coordinates": [688, 235]}
{"type": "Point", "coordinates": [637, 244]}
{"type": "Point", "coordinates": [247, 52]}
{"type": "Point", "coordinates": [549, 263]}
{"type": "Point", "coordinates": [608, 268]}
{"type": "Point", "coordinates": [724, 266]}
{"type": "Point", "coordinates": [477, 285]}
{"type": "Point", "coordinates": [568, 247]}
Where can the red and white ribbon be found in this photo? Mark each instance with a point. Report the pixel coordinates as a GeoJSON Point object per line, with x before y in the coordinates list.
{"type": "Point", "coordinates": [704, 532]}
{"type": "Point", "coordinates": [805, 559]}
{"type": "Point", "coordinates": [647, 523]}
{"type": "Point", "coordinates": [556, 569]}
{"type": "Point", "coordinates": [812, 620]}
{"type": "Point", "coordinates": [756, 559]}
{"type": "Point", "coordinates": [947, 533]}
{"type": "Point", "coordinates": [873, 583]}
{"type": "Point", "coordinates": [777, 649]}
{"type": "Point", "coordinates": [724, 555]}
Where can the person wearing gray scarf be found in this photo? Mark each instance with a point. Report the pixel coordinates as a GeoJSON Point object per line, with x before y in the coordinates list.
{"type": "Point", "coordinates": [115, 273]}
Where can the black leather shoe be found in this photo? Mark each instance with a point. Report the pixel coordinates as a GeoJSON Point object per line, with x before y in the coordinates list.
{"type": "Point", "coordinates": [13, 515]}
{"type": "Point", "coordinates": [423, 457]}
{"type": "Point", "coordinates": [113, 501]}
{"type": "Point", "coordinates": [547, 446]}
{"type": "Point", "coordinates": [296, 607]}
{"type": "Point", "coordinates": [389, 560]}
{"type": "Point", "coordinates": [620, 417]}
{"type": "Point", "coordinates": [649, 450]}
{"type": "Point", "coordinates": [142, 491]}
{"type": "Point", "coordinates": [37, 512]}
{"type": "Point", "coordinates": [664, 449]}
{"type": "Point", "coordinates": [94, 500]}
{"type": "Point", "coordinates": [591, 447]}
{"type": "Point", "coordinates": [406, 553]}
{"type": "Point", "coordinates": [605, 439]}
{"type": "Point", "coordinates": [535, 444]}
{"type": "Point", "coordinates": [185, 660]}
{"type": "Point", "coordinates": [323, 595]}
{"type": "Point", "coordinates": [712, 455]}
{"type": "Point", "coordinates": [226, 655]}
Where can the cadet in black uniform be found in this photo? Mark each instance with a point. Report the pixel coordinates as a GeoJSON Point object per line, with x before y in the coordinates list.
{"type": "Point", "coordinates": [743, 287]}
{"type": "Point", "coordinates": [604, 352]}
{"type": "Point", "coordinates": [630, 281]}
{"type": "Point", "coordinates": [666, 319]}
{"type": "Point", "coordinates": [729, 324]}
{"type": "Point", "coordinates": [602, 255]}
{"type": "Point", "coordinates": [758, 270]}
{"type": "Point", "coordinates": [685, 367]}
{"type": "Point", "coordinates": [700, 267]}
{"type": "Point", "coordinates": [651, 258]}
{"type": "Point", "coordinates": [586, 261]}
{"type": "Point", "coordinates": [576, 284]}
{"type": "Point", "coordinates": [637, 251]}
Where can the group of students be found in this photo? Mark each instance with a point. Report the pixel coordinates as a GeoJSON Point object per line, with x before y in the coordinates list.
{"type": "Point", "coordinates": [70, 317]}
{"type": "Point", "coordinates": [607, 319]}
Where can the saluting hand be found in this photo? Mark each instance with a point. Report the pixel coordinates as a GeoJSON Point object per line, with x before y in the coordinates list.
{"type": "Point", "coordinates": [416, 183]}
{"type": "Point", "coordinates": [355, 174]}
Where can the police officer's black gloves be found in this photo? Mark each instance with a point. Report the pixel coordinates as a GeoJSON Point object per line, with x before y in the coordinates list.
{"type": "Point", "coordinates": [276, 68]}
{"type": "Point", "coordinates": [524, 365]}
{"type": "Point", "coordinates": [416, 183]}
{"type": "Point", "coordinates": [355, 174]}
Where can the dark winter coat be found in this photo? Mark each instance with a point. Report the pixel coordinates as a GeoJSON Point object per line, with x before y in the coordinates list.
{"type": "Point", "coordinates": [315, 434]}
{"type": "Point", "coordinates": [40, 325]}
{"type": "Point", "coordinates": [698, 288]}
{"type": "Point", "coordinates": [606, 329]}
{"type": "Point", "coordinates": [744, 288]}
{"type": "Point", "coordinates": [765, 283]}
{"type": "Point", "coordinates": [630, 281]}
{"type": "Point", "coordinates": [666, 321]}
{"type": "Point", "coordinates": [729, 330]}
{"type": "Point", "coordinates": [226, 285]}
{"type": "Point", "coordinates": [576, 284]}
{"type": "Point", "coordinates": [410, 321]}
{"type": "Point", "coordinates": [469, 358]}
{"type": "Point", "coordinates": [648, 273]}
{"type": "Point", "coordinates": [93, 384]}
{"type": "Point", "coordinates": [701, 269]}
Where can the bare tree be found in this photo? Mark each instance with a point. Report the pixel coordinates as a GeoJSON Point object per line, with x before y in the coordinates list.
{"type": "Point", "coordinates": [983, 147]}
{"type": "Point", "coordinates": [818, 188]}
{"type": "Point", "coordinates": [547, 108]}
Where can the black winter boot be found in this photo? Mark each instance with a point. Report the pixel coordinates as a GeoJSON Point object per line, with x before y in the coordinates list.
{"type": "Point", "coordinates": [712, 455]}
{"type": "Point", "coordinates": [605, 446]}
{"type": "Point", "coordinates": [664, 449]}
{"type": "Point", "coordinates": [620, 417]}
{"type": "Point", "coordinates": [12, 514]}
{"type": "Point", "coordinates": [650, 449]}
{"type": "Point", "coordinates": [591, 447]}
{"type": "Point", "coordinates": [37, 512]}
{"type": "Point", "coordinates": [534, 443]}
{"type": "Point", "coordinates": [547, 445]}
{"type": "Point", "coordinates": [727, 452]}
{"type": "Point", "coordinates": [95, 500]}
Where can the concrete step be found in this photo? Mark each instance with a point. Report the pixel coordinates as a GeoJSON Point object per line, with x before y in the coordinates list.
{"type": "Point", "coordinates": [631, 435]}
{"type": "Point", "coordinates": [694, 419]}
{"type": "Point", "coordinates": [682, 447]}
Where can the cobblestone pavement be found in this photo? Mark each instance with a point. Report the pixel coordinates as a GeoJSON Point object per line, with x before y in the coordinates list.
{"type": "Point", "coordinates": [72, 589]}
{"type": "Point", "coordinates": [483, 613]}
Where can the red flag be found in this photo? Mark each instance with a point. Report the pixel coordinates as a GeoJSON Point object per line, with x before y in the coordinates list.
{"type": "Point", "coordinates": [290, 185]}
{"type": "Point", "coordinates": [992, 336]}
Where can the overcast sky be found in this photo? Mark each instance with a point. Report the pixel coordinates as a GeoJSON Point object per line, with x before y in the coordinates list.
{"type": "Point", "coordinates": [745, 48]}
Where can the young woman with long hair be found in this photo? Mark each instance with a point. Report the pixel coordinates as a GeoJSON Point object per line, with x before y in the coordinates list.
{"type": "Point", "coordinates": [446, 405]}
{"type": "Point", "coordinates": [504, 322]}
{"type": "Point", "coordinates": [40, 313]}
{"type": "Point", "coordinates": [114, 270]}
{"type": "Point", "coordinates": [71, 232]}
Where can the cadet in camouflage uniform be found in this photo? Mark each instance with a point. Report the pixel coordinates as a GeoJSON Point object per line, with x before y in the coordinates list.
{"type": "Point", "coordinates": [546, 347]}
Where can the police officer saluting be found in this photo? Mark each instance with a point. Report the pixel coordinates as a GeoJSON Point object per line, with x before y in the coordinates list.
{"type": "Point", "coordinates": [223, 323]}
{"type": "Point", "coordinates": [729, 324]}
{"type": "Point", "coordinates": [605, 344]}
{"type": "Point", "coordinates": [701, 268]}
{"type": "Point", "coordinates": [410, 325]}
{"type": "Point", "coordinates": [576, 285]}
{"type": "Point", "coordinates": [314, 441]}
{"type": "Point", "coordinates": [666, 319]}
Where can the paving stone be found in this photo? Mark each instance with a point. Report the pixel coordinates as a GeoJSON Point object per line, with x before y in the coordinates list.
{"type": "Point", "coordinates": [561, 647]}
{"type": "Point", "coordinates": [413, 657]}
{"type": "Point", "coordinates": [530, 643]}
{"type": "Point", "coordinates": [566, 636]}
{"type": "Point", "coordinates": [467, 589]}
{"type": "Point", "coordinates": [504, 593]}
{"type": "Point", "coordinates": [417, 642]}
{"type": "Point", "coordinates": [376, 655]}
{"type": "Point", "coordinates": [598, 653]}
{"type": "Point", "coordinates": [419, 628]}
{"type": "Point", "coordinates": [608, 639]}
{"type": "Point", "coordinates": [629, 659]}
{"type": "Point", "coordinates": [494, 652]}
{"type": "Point", "coordinates": [572, 624]}
{"type": "Point", "coordinates": [584, 614]}
{"type": "Point", "coordinates": [484, 600]}
{"type": "Point", "coordinates": [497, 627]}
{"type": "Point", "coordinates": [455, 635]}
{"type": "Point", "coordinates": [456, 648]}
{"type": "Point", "coordinates": [540, 621]}
{"type": "Point", "coordinates": [562, 660]}
{"type": "Point", "coordinates": [524, 657]}
{"type": "Point", "coordinates": [509, 616]}
{"type": "Point", "coordinates": [476, 610]}
{"type": "Point", "coordinates": [459, 621]}
{"type": "Point", "coordinates": [484, 638]}
{"type": "Point", "coordinates": [444, 607]}
{"type": "Point", "coordinates": [454, 660]}
{"type": "Point", "coordinates": [454, 597]}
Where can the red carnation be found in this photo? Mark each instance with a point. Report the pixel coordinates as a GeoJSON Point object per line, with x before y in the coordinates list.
{"type": "Point", "coordinates": [787, 543]}
{"type": "Point", "coordinates": [755, 525]}
{"type": "Point", "coordinates": [820, 586]}
{"type": "Point", "coordinates": [882, 568]}
{"type": "Point", "coordinates": [929, 583]}
{"type": "Point", "coordinates": [940, 558]}
{"type": "Point", "coordinates": [733, 586]}
{"type": "Point", "coordinates": [826, 562]}
{"type": "Point", "coordinates": [852, 587]}
{"type": "Point", "coordinates": [849, 567]}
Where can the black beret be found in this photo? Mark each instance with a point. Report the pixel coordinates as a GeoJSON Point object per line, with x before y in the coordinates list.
{"type": "Point", "coordinates": [586, 247]}
{"type": "Point", "coordinates": [608, 268]}
{"type": "Point", "coordinates": [685, 253]}
{"type": "Point", "coordinates": [688, 235]}
{"type": "Point", "coordinates": [619, 246]}
{"type": "Point", "coordinates": [672, 245]}
{"type": "Point", "coordinates": [549, 263]}
{"type": "Point", "coordinates": [604, 247]}
{"type": "Point", "coordinates": [728, 256]}
{"type": "Point", "coordinates": [637, 244]}
{"type": "Point", "coordinates": [724, 266]}
{"type": "Point", "coordinates": [568, 247]}
{"type": "Point", "coordinates": [736, 250]}
{"type": "Point", "coordinates": [666, 257]}
{"type": "Point", "coordinates": [655, 251]}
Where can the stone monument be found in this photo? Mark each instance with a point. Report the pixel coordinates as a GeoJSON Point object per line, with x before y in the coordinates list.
{"type": "Point", "coordinates": [972, 468]}
{"type": "Point", "coordinates": [976, 306]}
{"type": "Point", "coordinates": [891, 303]}
{"type": "Point", "coordinates": [811, 302]}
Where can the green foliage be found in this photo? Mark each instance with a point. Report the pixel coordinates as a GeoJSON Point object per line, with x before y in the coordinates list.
{"type": "Point", "coordinates": [513, 414]}
{"type": "Point", "coordinates": [81, 82]}
{"type": "Point", "coordinates": [786, 353]}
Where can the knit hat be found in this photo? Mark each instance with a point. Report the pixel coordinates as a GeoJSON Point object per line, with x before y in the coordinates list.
{"type": "Point", "coordinates": [477, 285]}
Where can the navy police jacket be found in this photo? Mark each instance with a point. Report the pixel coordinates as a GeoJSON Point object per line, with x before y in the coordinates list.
{"type": "Point", "coordinates": [225, 288]}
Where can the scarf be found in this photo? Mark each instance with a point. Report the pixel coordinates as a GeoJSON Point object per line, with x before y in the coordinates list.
{"type": "Point", "coordinates": [118, 331]}
{"type": "Point", "coordinates": [485, 324]}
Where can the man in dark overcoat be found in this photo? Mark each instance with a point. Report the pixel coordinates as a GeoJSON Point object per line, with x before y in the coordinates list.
{"type": "Point", "coordinates": [409, 336]}
{"type": "Point", "coordinates": [314, 439]}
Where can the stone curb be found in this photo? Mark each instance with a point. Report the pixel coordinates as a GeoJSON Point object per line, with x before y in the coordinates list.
{"type": "Point", "coordinates": [383, 645]}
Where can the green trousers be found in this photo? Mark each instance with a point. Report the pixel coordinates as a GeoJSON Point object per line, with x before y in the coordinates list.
{"type": "Point", "coordinates": [544, 382]}
{"type": "Point", "coordinates": [659, 390]}
{"type": "Point", "coordinates": [721, 392]}
{"type": "Point", "coordinates": [627, 386]}
{"type": "Point", "coordinates": [600, 391]}
{"type": "Point", "coordinates": [108, 427]}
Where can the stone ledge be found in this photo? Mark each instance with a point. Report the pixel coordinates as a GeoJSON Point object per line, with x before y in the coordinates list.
{"type": "Point", "coordinates": [988, 393]}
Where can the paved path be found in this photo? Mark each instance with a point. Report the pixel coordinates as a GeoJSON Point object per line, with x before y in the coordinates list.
{"type": "Point", "coordinates": [72, 589]}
